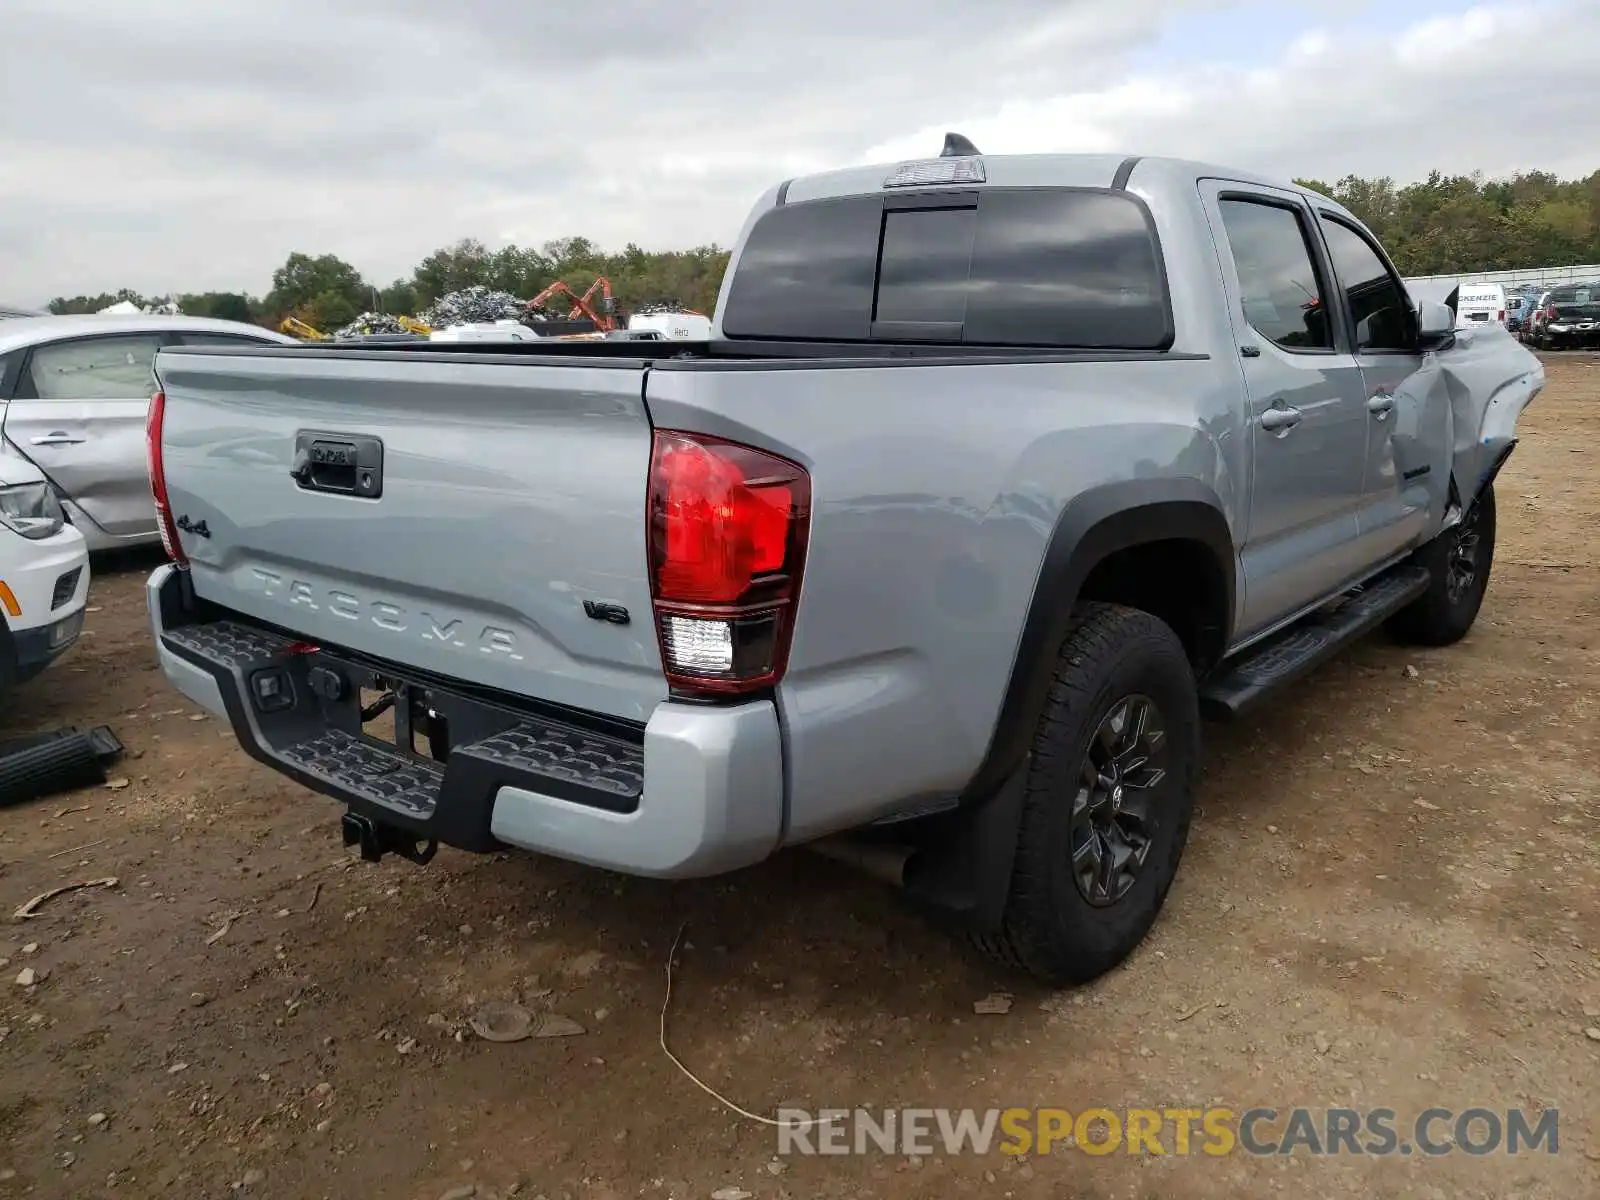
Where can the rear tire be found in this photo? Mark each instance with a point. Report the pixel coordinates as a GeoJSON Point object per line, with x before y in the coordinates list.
{"type": "Point", "coordinates": [1108, 801]}
{"type": "Point", "coordinates": [1458, 562]}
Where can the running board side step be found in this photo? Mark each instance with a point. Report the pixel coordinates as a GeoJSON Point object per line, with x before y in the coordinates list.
{"type": "Point", "coordinates": [1258, 673]}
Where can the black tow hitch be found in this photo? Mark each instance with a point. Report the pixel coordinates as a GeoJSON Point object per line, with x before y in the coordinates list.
{"type": "Point", "coordinates": [377, 839]}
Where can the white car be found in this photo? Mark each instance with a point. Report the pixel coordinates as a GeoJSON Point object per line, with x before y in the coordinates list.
{"type": "Point", "coordinates": [74, 392]}
{"type": "Point", "coordinates": [44, 573]}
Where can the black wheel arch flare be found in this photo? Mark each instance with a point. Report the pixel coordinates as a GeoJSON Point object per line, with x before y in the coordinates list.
{"type": "Point", "coordinates": [1095, 524]}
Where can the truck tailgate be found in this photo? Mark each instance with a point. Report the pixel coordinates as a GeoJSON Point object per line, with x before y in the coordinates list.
{"type": "Point", "coordinates": [496, 499]}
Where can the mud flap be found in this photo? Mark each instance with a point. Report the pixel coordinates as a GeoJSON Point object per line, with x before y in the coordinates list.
{"type": "Point", "coordinates": [961, 874]}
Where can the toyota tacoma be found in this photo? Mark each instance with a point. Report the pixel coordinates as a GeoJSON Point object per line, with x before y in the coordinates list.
{"type": "Point", "coordinates": [995, 476]}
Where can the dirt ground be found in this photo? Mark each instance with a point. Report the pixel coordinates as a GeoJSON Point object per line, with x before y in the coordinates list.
{"type": "Point", "coordinates": [1391, 898]}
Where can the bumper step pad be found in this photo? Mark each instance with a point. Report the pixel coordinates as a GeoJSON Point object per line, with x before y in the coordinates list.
{"type": "Point", "coordinates": [395, 780]}
{"type": "Point", "coordinates": [450, 801]}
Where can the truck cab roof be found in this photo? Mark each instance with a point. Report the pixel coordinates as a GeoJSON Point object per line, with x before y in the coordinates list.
{"type": "Point", "coordinates": [1135, 172]}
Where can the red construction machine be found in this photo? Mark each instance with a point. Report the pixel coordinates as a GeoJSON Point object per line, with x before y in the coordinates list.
{"type": "Point", "coordinates": [604, 315]}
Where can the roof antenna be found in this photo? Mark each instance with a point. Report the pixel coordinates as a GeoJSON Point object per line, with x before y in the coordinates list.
{"type": "Point", "coordinates": [956, 146]}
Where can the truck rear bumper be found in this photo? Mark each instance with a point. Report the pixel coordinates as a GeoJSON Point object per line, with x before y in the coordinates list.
{"type": "Point", "coordinates": [699, 791]}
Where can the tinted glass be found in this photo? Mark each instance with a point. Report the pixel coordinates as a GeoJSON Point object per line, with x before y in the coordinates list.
{"type": "Point", "coordinates": [1277, 278]}
{"type": "Point", "coordinates": [1378, 304]}
{"type": "Point", "coordinates": [927, 255]}
{"type": "Point", "coordinates": [807, 271]}
{"type": "Point", "coordinates": [108, 368]}
{"type": "Point", "coordinates": [1063, 268]}
{"type": "Point", "coordinates": [1576, 301]}
{"type": "Point", "coordinates": [1052, 268]}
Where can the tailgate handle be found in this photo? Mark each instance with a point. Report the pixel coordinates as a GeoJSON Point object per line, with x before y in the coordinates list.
{"type": "Point", "coordinates": [343, 464]}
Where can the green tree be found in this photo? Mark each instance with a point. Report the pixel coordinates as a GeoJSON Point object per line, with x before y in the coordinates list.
{"type": "Point", "coordinates": [399, 298]}
{"type": "Point", "coordinates": [637, 276]}
{"type": "Point", "coordinates": [323, 282]}
{"type": "Point", "coordinates": [331, 309]}
{"type": "Point", "coordinates": [63, 305]}
{"type": "Point", "coordinates": [451, 269]}
{"type": "Point", "coordinates": [224, 306]}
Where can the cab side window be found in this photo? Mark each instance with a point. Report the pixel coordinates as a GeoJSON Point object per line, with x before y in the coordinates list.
{"type": "Point", "coordinates": [1281, 291]}
{"type": "Point", "coordinates": [1378, 304]}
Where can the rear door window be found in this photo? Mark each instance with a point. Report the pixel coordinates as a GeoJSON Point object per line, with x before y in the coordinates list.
{"type": "Point", "coordinates": [1050, 268]}
{"type": "Point", "coordinates": [1278, 281]}
{"type": "Point", "coordinates": [92, 368]}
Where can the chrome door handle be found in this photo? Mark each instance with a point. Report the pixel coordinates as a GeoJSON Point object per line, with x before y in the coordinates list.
{"type": "Point", "coordinates": [57, 439]}
{"type": "Point", "coordinates": [1380, 404]}
{"type": "Point", "coordinates": [1281, 420]}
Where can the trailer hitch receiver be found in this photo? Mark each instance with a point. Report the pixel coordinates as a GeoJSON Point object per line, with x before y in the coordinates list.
{"type": "Point", "coordinates": [377, 839]}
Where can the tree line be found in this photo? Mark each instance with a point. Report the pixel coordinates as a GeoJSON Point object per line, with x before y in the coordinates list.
{"type": "Point", "coordinates": [326, 292]}
{"type": "Point", "coordinates": [1465, 224]}
{"type": "Point", "coordinates": [1444, 224]}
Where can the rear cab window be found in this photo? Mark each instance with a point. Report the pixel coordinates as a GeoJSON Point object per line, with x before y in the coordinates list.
{"type": "Point", "coordinates": [1049, 268]}
{"type": "Point", "coordinates": [1577, 302]}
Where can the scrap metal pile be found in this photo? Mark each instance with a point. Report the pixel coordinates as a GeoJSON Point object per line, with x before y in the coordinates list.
{"type": "Point", "coordinates": [370, 323]}
{"type": "Point", "coordinates": [474, 305]}
{"type": "Point", "coordinates": [481, 305]}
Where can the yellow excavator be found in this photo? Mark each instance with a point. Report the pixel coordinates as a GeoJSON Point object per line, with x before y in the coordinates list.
{"type": "Point", "coordinates": [295, 327]}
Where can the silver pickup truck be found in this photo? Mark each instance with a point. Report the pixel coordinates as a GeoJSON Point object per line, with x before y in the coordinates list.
{"type": "Point", "coordinates": [995, 476]}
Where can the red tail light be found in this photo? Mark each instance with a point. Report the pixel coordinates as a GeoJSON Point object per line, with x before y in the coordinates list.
{"type": "Point", "coordinates": [154, 417]}
{"type": "Point", "coordinates": [728, 527]}
{"type": "Point", "coordinates": [1501, 316]}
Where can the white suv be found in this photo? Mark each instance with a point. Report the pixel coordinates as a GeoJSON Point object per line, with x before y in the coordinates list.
{"type": "Point", "coordinates": [44, 573]}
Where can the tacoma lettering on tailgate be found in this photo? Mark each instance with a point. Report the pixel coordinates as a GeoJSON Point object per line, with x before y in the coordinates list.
{"type": "Point", "coordinates": [386, 615]}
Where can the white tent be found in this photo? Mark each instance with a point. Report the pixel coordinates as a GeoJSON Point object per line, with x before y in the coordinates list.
{"type": "Point", "coordinates": [120, 309]}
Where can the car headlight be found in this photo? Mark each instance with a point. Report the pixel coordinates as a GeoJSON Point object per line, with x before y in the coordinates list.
{"type": "Point", "coordinates": [31, 509]}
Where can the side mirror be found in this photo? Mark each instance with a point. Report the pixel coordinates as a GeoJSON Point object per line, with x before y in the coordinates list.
{"type": "Point", "coordinates": [1436, 325]}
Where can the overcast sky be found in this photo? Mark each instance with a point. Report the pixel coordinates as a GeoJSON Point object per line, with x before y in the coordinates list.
{"type": "Point", "coordinates": [190, 145]}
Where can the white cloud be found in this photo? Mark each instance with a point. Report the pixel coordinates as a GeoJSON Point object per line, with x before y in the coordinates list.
{"type": "Point", "coordinates": [191, 144]}
{"type": "Point", "coordinates": [1312, 44]}
{"type": "Point", "coordinates": [1442, 39]}
{"type": "Point", "coordinates": [1450, 93]}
